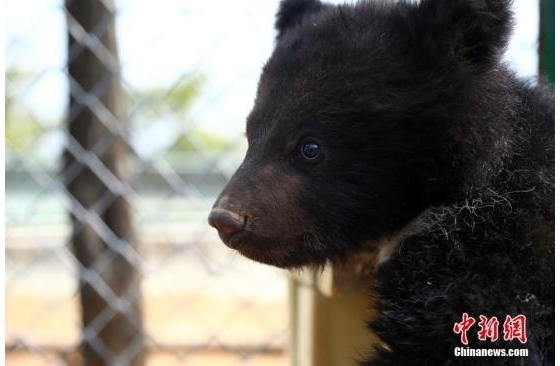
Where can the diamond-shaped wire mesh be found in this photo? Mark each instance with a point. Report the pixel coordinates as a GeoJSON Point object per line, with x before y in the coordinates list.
{"type": "Point", "coordinates": [188, 299]}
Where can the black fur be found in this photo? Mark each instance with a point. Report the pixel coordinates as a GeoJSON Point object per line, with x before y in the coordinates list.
{"type": "Point", "coordinates": [418, 124]}
{"type": "Point", "coordinates": [293, 12]}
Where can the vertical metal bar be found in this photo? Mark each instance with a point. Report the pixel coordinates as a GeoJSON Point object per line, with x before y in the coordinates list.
{"type": "Point", "coordinates": [546, 40]}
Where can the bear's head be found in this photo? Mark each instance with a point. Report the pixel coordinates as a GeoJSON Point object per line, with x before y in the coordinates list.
{"type": "Point", "coordinates": [359, 124]}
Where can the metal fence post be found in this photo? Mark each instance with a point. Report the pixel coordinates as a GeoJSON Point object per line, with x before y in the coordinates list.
{"type": "Point", "coordinates": [546, 40]}
{"type": "Point", "coordinates": [95, 174]}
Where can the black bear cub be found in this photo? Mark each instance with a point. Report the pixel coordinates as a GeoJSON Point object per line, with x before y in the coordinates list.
{"type": "Point", "coordinates": [394, 127]}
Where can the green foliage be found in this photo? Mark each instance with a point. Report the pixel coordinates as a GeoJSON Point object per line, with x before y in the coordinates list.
{"type": "Point", "coordinates": [154, 109]}
{"type": "Point", "coordinates": [160, 105]}
{"type": "Point", "coordinates": [196, 140]}
{"type": "Point", "coordinates": [21, 128]}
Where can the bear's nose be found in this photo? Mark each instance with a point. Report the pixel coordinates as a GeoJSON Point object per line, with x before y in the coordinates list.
{"type": "Point", "coordinates": [226, 222]}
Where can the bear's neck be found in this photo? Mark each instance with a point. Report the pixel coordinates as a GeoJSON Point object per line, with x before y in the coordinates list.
{"type": "Point", "coordinates": [495, 136]}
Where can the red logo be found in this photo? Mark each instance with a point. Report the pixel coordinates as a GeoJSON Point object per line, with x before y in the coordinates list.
{"type": "Point", "coordinates": [488, 328]}
{"type": "Point", "coordinates": [463, 327]}
{"type": "Point", "coordinates": [513, 328]}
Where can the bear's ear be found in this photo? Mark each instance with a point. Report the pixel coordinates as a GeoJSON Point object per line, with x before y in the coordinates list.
{"type": "Point", "coordinates": [292, 12]}
{"type": "Point", "coordinates": [471, 31]}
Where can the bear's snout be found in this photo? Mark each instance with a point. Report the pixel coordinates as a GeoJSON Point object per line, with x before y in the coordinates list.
{"type": "Point", "coordinates": [227, 223]}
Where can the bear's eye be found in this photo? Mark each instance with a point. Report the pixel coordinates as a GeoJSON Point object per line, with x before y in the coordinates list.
{"type": "Point", "coordinates": [311, 151]}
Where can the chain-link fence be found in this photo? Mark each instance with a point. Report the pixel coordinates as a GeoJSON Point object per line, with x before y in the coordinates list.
{"type": "Point", "coordinates": [123, 121]}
